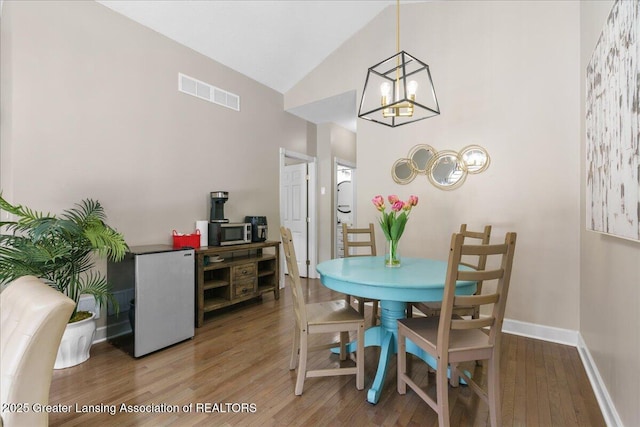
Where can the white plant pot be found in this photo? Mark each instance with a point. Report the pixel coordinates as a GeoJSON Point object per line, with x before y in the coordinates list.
{"type": "Point", "coordinates": [76, 343]}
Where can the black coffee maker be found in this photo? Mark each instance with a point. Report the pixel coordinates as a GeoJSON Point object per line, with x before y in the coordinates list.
{"type": "Point", "coordinates": [259, 229]}
{"type": "Point", "coordinates": [217, 219]}
{"type": "Point", "coordinates": [218, 199]}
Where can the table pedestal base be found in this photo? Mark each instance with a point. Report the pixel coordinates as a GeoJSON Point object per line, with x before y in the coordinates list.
{"type": "Point", "coordinates": [385, 336]}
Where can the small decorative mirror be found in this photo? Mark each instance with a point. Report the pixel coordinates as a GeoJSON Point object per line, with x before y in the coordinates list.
{"type": "Point", "coordinates": [403, 171]}
{"type": "Point", "coordinates": [421, 154]}
{"type": "Point", "coordinates": [475, 158]}
{"type": "Point", "coordinates": [446, 170]}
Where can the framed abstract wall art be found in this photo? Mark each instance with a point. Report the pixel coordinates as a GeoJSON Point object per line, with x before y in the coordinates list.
{"type": "Point", "coordinates": [612, 126]}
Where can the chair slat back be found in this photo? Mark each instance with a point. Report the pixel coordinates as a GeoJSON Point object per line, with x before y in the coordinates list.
{"type": "Point", "coordinates": [359, 238]}
{"type": "Point", "coordinates": [476, 261]}
{"type": "Point", "coordinates": [475, 299]}
{"type": "Point", "coordinates": [472, 323]}
{"type": "Point", "coordinates": [299, 306]}
{"type": "Point", "coordinates": [481, 275]}
{"type": "Point", "coordinates": [498, 298]}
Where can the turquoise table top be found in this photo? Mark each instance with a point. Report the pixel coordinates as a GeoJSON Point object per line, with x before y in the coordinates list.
{"type": "Point", "coordinates": [417, 279]}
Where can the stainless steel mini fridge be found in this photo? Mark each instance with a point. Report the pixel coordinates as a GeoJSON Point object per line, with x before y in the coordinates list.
{"type": "Point", "coordinates": [154, 285]}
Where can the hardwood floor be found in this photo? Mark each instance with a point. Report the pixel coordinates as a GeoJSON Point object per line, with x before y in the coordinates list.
{"type": "Point", "coordinates": [235, 373]}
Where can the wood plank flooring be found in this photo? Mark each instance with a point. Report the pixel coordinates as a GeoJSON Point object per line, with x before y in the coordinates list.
{"type": "Point", "coordinates": [235, 373]}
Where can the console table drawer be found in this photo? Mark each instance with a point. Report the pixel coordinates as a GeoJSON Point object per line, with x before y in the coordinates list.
{"type": "Point", "coordinates": [244, 271]}
{"type": "Point", "coordinates": [244, 287]}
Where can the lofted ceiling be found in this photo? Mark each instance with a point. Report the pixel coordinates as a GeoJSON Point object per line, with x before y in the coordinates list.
{"type": "Point", "coordinates": [274, 42]}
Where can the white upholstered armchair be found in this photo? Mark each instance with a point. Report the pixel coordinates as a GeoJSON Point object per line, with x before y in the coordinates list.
{"type": "Point", "coordinates": [33, 317]}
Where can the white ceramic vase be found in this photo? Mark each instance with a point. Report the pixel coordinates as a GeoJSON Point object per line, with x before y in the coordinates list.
{"type": "Point", "coordinates": [76, 343]}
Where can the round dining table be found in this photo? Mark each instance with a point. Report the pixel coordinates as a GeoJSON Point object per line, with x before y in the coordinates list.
{"type": "Point", "coordinates": [415, 280]}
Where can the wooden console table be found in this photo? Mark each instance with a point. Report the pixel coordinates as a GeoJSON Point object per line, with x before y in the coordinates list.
{"type": "Point", "coordinates": [245, 272]}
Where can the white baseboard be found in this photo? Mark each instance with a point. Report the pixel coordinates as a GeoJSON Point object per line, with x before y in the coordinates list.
{"type": "Point", "coordinates": [101, 334]}
{"type": "Point", "coordinates": [115, 329]}
{"type": "Point", "coordinates": [541, 332]}
{"type": "Point", "coordinates": [574, 339]}
{"type": "Point", "coordinates": [607, 407]}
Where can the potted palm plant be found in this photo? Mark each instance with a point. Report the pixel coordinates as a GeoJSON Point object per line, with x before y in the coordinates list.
{"type": "Point", "coordinates": [61, 250]}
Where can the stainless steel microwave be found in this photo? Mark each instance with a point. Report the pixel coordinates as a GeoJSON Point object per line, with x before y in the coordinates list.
{"type": "Point", "coordinates": [228, 233]}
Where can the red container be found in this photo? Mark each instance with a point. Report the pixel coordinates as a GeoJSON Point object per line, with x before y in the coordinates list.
{"type": "Point", "coordinates": [186, 240]}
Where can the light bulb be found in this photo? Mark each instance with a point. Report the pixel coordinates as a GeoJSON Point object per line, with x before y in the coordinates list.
{"type": "Point", "coordinates": [385, 89]}
{"type": "Point", "coordinates": [412, 87]}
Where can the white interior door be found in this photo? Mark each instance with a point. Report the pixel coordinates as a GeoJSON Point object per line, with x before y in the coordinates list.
{"type": "Point", "coordinates": [295, 212]}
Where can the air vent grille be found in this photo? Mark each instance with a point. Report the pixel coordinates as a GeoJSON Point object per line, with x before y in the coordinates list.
{"type": "Point", "coordinates": [208, 92]}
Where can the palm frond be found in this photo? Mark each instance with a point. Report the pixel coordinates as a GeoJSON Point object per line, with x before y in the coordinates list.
{"type": "Point", "coordinates": [25, 215]}
{"type": "Point", "coordinates": [96, 285]}
{"type": "Point", "coordinates": [86, 211]}
{"type": "Point", "coordinates": [107, 241]}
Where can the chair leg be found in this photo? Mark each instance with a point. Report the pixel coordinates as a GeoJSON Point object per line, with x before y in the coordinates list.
{"type": "Point", "coordinates": [442, 391]}
{"type": "Point", "coordinates": [402, 363]}
{"type": "Point", "coordinates": [361, 305]}
{"type": "Point", "coordinates": [344, 340]}
{"type": "Point", "coordinates": [454, 378]}
{"type": "Point", "coordinates": [493, 386]}
{"type": "Point", "coordinates": [476, 315]}
{"type": "Point", "coordinates": [302, 364]}
{"type": "Point", "coordinates": [295, 348]}
{"type": "Point", "coordinates": [360, 358]}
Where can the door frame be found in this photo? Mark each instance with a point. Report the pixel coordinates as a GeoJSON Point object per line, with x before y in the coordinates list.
{"type": "Point", "coordinates": [312, 222]}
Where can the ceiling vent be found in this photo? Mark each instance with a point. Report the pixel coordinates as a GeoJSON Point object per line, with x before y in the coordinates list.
{"type": "Point", "coordinates": [210, 93]}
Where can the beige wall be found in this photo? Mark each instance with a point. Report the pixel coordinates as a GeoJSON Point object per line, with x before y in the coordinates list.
{"type": "Point", "coordinates": [506, 85]}
{"type": "Point", "coordinates": [610, 274]}
{"type": "Point", "coordinates": [90, 108]}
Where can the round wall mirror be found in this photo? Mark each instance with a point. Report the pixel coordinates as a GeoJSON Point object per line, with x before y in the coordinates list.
{"type": "Point", "coordinates": [403, 171]}
{"type": "Point", "coordinates": [475, 158]}
{"type": "Point", "coordinates": [446, 170]}
{"type": "Point", "coordinates": [421, 154]}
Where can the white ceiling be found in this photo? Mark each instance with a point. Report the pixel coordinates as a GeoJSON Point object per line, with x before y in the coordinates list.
{"type": "Point", "coordinates": [274, 42]}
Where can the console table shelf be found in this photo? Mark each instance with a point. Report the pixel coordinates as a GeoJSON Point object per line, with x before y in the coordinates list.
{"type": "Point", "coordinates": [246, 272]}
{"type": "Point", "coordinates": [215, 284]}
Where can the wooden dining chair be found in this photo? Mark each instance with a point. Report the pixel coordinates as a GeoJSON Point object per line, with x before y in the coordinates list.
{"type": "Point", "coordinates": [320, 318]}
{"type": "Point", "coordinates": [452, 339]}
{"type": "Point", "coordinates": [478, 262]}
{"type": "Point", "coordinates": [354, 239]}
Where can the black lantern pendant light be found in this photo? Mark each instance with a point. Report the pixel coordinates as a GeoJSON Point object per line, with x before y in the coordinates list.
{"type": "Point", "coordinates": [398, 90]}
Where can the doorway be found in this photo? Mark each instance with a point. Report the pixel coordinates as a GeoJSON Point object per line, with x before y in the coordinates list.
{"type": "Point", "coordinates": [298, 208]}
{"type": "Point", "coordinates": [344, 211]}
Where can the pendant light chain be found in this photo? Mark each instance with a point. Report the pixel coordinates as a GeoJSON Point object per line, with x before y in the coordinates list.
{"type": "Point", "coordinates": [397, 26]}
{"type": "Point", "coordinates": [397, 91]}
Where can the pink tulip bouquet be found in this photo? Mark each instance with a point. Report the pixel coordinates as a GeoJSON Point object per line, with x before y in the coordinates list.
{"type": "Point", "coordinates": [393, 223]}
